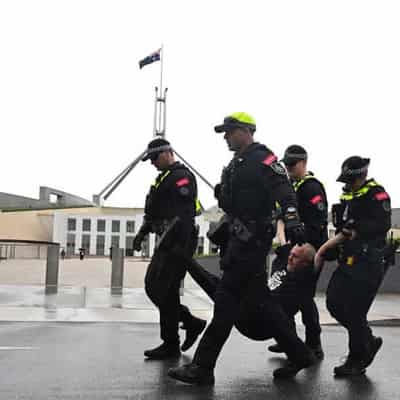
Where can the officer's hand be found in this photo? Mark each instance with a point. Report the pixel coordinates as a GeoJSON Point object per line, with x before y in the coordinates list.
{"type": "Point", "coordinates": [349, 233]}
{"type": "Point", "coordinates": [293, 227]}
{"type": "Point", "coordinates": [295, 232]}
{"type": "Point", "coordinates": [137, 242]}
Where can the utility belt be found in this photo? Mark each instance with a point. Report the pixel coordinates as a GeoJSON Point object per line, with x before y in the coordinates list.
{"type": "Point", "coordinates": [159, 226]}
{"type": "Point", "coordinates": [352, 250]}
{"type": "Point", "coordinates": [245, 230]}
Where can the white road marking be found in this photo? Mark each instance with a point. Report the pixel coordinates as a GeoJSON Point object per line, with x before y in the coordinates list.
{"type": "Point", "coordinates": [18, 348]}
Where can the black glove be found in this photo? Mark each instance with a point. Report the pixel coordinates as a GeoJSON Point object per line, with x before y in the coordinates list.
{"type": "Point", "coordinates": [294, 228]}
{"type": "Point", "coordinates": [137, 242]}
{"type": "Point", "coordinates": [348, 227]}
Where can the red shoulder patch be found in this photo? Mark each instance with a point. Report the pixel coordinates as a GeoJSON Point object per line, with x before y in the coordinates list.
{"type": "Point", "coordinates": [270, 159]}
{"type": "Point", "coordinates": [316, 199]}
{"type": "Point", "coordinates": [182, 182]}
{"type": "Point", "coordinates": [381, 196]}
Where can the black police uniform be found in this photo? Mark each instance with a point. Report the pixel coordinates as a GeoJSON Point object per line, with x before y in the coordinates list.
{"type": "Point", "coordinates": [355, 282]}
{"type": "Point", "coordinates": [250, 185]}
{"type": "Point", "coordinates": [313, 210]}
{"type": "Point", "coordinates": [173, 194]}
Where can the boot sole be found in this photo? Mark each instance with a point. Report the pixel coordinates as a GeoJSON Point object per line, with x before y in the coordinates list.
{"type": "Point", "coordinates": [344, 375]}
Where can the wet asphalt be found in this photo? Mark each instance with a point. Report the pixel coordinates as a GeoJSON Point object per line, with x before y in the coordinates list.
{"type": "Point", "coordinates": [57, 360]}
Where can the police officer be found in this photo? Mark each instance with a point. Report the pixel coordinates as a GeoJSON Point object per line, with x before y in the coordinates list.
{"type": "Point", "coordinates": [363, 219]}
{"type": "Point", "coordinates": [313, 210]}
{"type": "Point", "coordinates": [249, 187]}
{"type": "Point", "coordinates": [174, 194]}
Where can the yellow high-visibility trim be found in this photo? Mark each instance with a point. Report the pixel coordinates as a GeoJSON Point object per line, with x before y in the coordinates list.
{"type": "Point", "coordinates": [297, 184]}
{"type": "Point", "coordinates": [358, 193]}
{"type": "Point", "coordinates": [158, 182]}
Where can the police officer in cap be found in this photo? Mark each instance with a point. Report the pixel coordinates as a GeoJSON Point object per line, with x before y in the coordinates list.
{"type": "Point", "coordinates": [173, 194]}
{"type": "Point", "coordinates": [313, 210]}
{"type": "Point", "coordinates": [249, 187]}
{"type": "Point", "coordinates": [363, 219]}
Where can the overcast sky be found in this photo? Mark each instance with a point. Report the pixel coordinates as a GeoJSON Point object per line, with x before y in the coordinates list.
{"type": "Point", "coordinates": [75, 109]}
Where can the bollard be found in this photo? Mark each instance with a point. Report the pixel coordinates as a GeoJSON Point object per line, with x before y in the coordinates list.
{"type": "Point", "coordinates": [53, 252]}
{"type": "Point", "coordinates": [117, 270]}
{"type": "Point", "coordinates": [182, 287]}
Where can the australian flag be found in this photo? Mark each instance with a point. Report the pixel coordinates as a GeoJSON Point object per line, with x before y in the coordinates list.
{"type": "Point", "coordinates": [156, 56]}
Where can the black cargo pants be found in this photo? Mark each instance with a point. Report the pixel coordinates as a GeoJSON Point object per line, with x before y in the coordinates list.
{"type": "Point", "coordinates": [350, 293]}
{"type": "Point", "coordinates": [162, 282]}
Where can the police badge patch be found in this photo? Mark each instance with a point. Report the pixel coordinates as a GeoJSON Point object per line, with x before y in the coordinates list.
{"type": "Point", "coordinates": [278, 168]}
{"type": "Point", "coordinates": [184, 191]}
{"type": "Point", "coordinates": [386, 205]}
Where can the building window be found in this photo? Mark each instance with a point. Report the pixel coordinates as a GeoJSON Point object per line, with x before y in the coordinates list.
{"type": "Point", "coordinates": [130, 226]}
{"type": "Point", "coordinates": [70, 244]}
{"type": "Point", "coordinates": [86, 225]}
{"type": "Point", "coordinates": [101, 225]}
{"type": "Point", "coordinates": [200, 245]}
{"type": "Point", "coordinates": [129, 246]}
{"type": "Point", "coordinates": [71, 224]}
{"type": "Point", "coordinates": [115, 241]}
{"type": "Point", "coordinates": [115, 226]}
{"type": "Point", "coordinates": [86, 243]}
{"type": "Point", "coordinates": [100, 241]}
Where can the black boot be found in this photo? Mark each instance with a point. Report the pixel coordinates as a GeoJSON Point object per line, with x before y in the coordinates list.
{"type": "Point", "coordinates": [350, 367]}
{"type": "Point", "coordinates": [193, 374]}
{"type": "Point", "coordinates": [192, 332]}
{"type": "Point", "coordinates": [164, 351]}
{"type": "Point", "coordinates": [275, 348]}
{"type": "Point", "coordinates": [291, 369]}
{"type": "Point", "coordinates": [376, 345]}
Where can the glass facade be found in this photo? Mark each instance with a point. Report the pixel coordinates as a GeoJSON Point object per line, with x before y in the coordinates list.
{"type": "Point", "coordinates": [101, 225]}
{"type": "Point", "coordinates": [100, 241]}
{"type": "Point", "coordinates": [115, 226]}
{"type": "Point", "coordinates": [86, 225]}
{"type": "Point", "coordinates": [71, 224]}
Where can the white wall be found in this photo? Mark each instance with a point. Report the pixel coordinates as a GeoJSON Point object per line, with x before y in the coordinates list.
{"type": "Point", "coordinates": [60, 230]}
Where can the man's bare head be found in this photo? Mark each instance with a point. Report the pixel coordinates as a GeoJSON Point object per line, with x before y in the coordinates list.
{"type": "Point", "coordinates": [301, 257]}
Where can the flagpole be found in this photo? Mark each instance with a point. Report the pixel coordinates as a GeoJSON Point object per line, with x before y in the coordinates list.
{"type": "Point", "coordinates": [161, 67]}
{"type": "Point", "coordinates": [160, 104]}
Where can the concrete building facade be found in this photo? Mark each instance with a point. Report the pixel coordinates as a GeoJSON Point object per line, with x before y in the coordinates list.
{"type": "Point", "coordinates": [95, 229]}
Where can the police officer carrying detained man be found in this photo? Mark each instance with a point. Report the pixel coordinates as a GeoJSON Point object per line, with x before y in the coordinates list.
{"type": "Point", "coordinates": [313, 210]}
{"type": "Point", "coordinates": [249, 187]}
{"type": "Point", "coordinates": [362, 219]}
{"type": "Point", "coordinates": [174, 194]}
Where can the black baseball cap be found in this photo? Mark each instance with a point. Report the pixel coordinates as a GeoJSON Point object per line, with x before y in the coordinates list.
{"type": "Point", "coordinates": [352, 168]}
{"type": "Point", "coordinates": [155, 147]}
{"type": "Point", "coordinates": [294, 154]}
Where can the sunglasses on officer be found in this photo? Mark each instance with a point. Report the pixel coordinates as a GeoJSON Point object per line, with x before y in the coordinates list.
{"type": "Point", "coordinates": [291, 163]}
